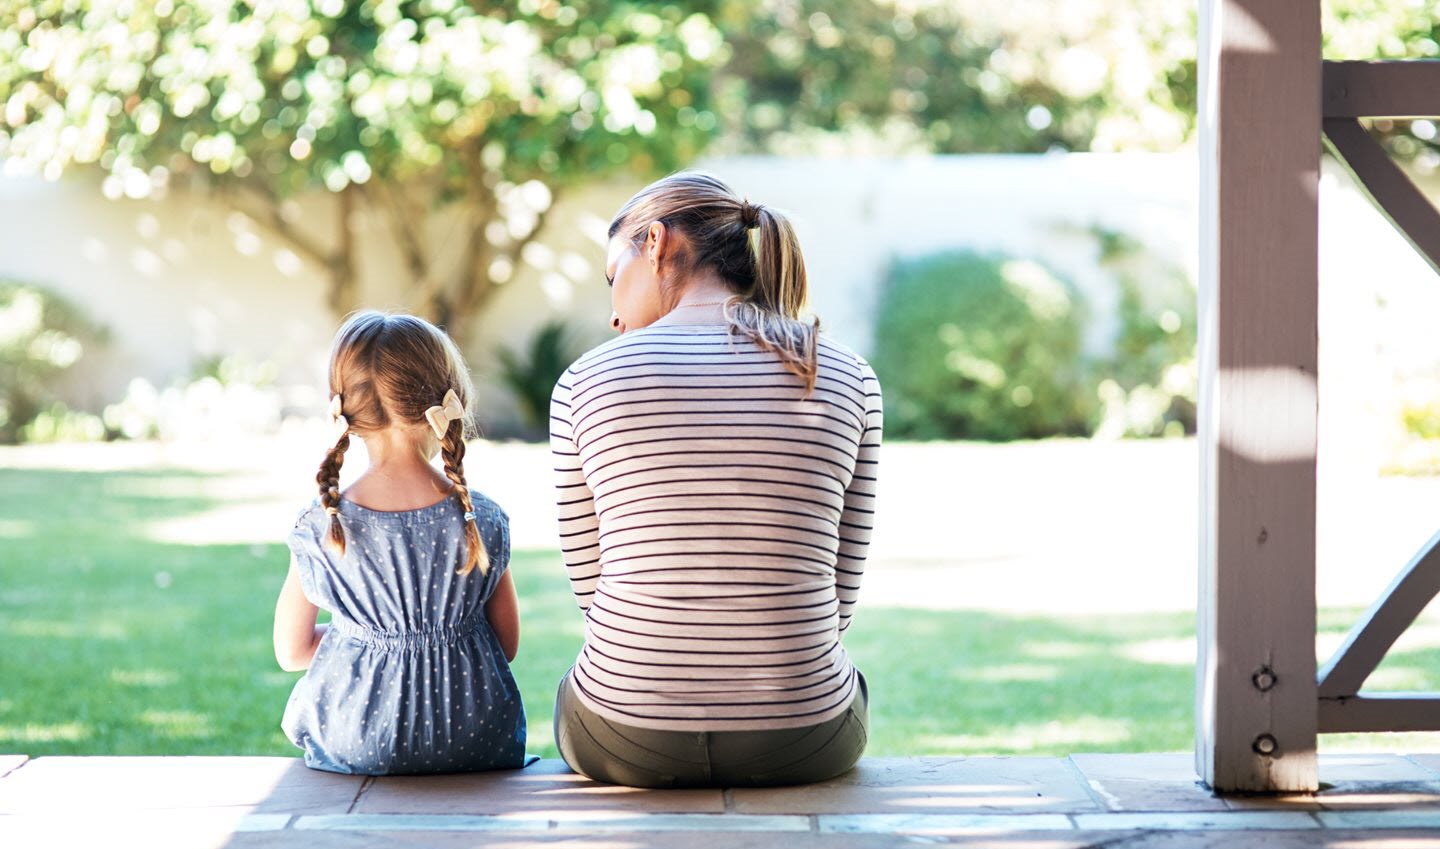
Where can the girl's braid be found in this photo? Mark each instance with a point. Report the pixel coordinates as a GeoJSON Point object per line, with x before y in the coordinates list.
{"type": "Point", "coordinates": [453, 453]}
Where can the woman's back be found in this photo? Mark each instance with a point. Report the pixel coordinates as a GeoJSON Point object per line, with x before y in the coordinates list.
{"type": "Point", "coordinates": [717, 528]}
{"type": "Point", "coordinates": [410, 676]}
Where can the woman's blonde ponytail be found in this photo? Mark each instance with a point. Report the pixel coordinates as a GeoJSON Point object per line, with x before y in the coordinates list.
{"type": "Point", "coordinates": [753, 248]}
{"type": "Point", "coordinates": [769, 314]}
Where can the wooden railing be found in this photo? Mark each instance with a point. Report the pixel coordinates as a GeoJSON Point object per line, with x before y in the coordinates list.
{"type": "Point", "coordinates": [1265, 94]}
{"type": "Point", "coordinates": [1355, 90]}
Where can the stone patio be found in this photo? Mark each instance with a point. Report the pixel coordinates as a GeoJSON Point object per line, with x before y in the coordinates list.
{"type": "Point", "coordinates": [1387, 801]}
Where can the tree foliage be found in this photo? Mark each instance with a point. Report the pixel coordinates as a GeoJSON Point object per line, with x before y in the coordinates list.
{"type": "Point", "coordinates": [957, 76]}
{"type": "Point", "coordinates": [411, 106]}
{"type": "Point", "coordinates": [484, 112]}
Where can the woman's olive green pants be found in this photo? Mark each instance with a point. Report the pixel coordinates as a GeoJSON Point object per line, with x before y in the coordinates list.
{"type": "Point", "coordinates": [614, 753]}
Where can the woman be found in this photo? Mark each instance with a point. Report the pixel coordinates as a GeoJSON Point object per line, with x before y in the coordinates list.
{"type": "Point", "coordinates": [716, 483]}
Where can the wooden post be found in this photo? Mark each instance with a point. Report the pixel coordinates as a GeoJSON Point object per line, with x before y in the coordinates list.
{"type": "Point", "coordinates": [1260, 84]}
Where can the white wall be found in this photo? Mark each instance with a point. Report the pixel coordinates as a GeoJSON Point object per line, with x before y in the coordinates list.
{"type": "Point", "coordinates": [183, 278]}
{"type": "Point", "coordinates": [855, 216]}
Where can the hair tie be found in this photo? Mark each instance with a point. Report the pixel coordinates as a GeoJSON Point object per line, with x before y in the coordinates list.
{"type": "Point", "coordinates": [441, 415]}
{"type": "Point", "coordinates": [332, 511]}
{"type": "Point", "coordinates": [469, 515]}
{"type": "Point", "coordinates": [749, 214]}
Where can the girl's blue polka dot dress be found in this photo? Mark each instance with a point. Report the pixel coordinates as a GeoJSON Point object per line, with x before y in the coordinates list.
{"type": "Point", "coordinates": [410, 677]}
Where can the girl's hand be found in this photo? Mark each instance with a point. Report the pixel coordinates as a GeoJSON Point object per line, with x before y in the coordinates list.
{"type": "Point", "coordinates": [296, 634]}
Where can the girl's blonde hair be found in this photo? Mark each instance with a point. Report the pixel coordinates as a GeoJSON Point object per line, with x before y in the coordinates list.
{"type": "Point", "coordinates": [752, 248]}
{"type": "Point", "coordinates": [390, 369]}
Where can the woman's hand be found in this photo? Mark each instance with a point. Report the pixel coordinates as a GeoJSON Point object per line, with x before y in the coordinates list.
{"type": "Point", "coordinates": [296, 634]}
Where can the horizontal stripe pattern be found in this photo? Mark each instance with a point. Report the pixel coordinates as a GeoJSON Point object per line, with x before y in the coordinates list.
{"type": "Point", "coordinates": [714, 523]}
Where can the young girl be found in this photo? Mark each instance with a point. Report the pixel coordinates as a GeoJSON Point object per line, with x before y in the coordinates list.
{"type": "Point", "coordinates": [412, 673]}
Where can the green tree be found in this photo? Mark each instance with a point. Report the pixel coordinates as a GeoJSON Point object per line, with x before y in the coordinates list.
{"type": "Point", "coordinates": [956, 76]}
{"type": "Point", "coordinates": [487, 110]}
{"type": "Point", "coordinates": [1374, 29]}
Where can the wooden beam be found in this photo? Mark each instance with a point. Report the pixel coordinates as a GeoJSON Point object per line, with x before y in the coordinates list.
{"type": "Point", "coordinates": [1395, 610]}
{"type": "Point", "coordinates": [1381, 712]}
{"type": "Point", "coordinates": [1396, 89]}
{"type": "Point", "coordinates": [1389, 189]}
{"type": "Point", "coordinates": [1260, 167]}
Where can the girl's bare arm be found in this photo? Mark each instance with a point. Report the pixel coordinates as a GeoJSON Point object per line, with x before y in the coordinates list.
{"type": "Point", "coordinates": [503, 611]}
{"type": "Point", "coordinates": [296, 634]}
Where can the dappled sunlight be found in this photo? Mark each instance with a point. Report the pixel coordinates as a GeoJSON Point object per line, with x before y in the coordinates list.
{"type": "Point", "coordinates": [231, 524]}
{"type": "Point", "coordinates": [143, 677]}
{"type": "Point", "coordinates": [1020, 799]}
{"type": "Point", "coordinates": [1352, 799]}
{"type": "Point", "coordinates": [1008, 672]}
{"type": "Point", "coordinates": [1397, 743]}
{"type": "Point", "coordinates": [16, 528]}
{"type": "Point", "coordinates": [1085, 733]}
{"type": "Point", "coordinates": [589, 789]}
{"type": "Point", "coordinates": [86, 629]}
{"type": "Point", "coordinates": [161, 486]}
{"type": "Point", "coordinates": [966, 789]}
{"type": "Point", "coordinates": [1399, 678]}
{"type": "Point", "coordinates": [1054, 650]}
{"type": "Point", "coordinates": [39, 732]}
{"type": "Point", "coordinates": [1168, 652]}
{"type": "Point", "coordinates": [178, 723]}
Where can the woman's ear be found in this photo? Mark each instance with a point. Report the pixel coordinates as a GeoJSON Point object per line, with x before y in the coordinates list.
{"type": "Point", "coordinates": [657, 243]}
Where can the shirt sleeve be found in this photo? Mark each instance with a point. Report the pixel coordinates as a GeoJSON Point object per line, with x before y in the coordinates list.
{"type": "Point", "coordinates": [579, 526]}
{"type": "Point", "coordinates": [308, 551]}
{"type": "Point", "coordinates": [858, 516]}
{"type": "Point", "coordinates": [497, 544]}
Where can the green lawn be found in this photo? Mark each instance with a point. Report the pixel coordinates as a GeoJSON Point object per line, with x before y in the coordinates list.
{"type": "Point", "coordinates": [114, 643]}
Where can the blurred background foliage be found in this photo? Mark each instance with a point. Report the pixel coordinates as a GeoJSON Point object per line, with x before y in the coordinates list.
{"type": "Point", "coordinates": [531, 374]}
{"type": "Point", "coordinates": [994, 347]}
{"type": "Point", "coordinates": [981, 347]}
{"type": "Point", "coordinates": [42, 336]}
{"type": "Point", "coordinates": [487, 112]}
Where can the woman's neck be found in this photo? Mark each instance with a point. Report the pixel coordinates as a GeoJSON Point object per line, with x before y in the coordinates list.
{"type": "Point", "coordinates": [702, 301]}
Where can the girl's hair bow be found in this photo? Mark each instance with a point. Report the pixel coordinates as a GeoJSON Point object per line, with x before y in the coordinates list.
{"type": "Point", "coordinates": [441, 415]}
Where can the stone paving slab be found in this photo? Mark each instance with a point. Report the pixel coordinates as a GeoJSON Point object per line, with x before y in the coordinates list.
{"type": "Point", "coordinates": [649, 840]}
{"type": "Point", "coordinates": [941, 824]}
{"type": "Point", "coordinates": [932, 785]}
{"type": "Point", "coordinates": [1147, 782]}
{"type": "Point", "coordinates": [176, 828]}
{"type": "Point", "coordinates": [589, 822]}
{"type": "Point", "coordinates": [1273, 840]}
{"type": "Point", "coordinates": [1036, 803]}
{"type": "Point", "coordinates": [110, 784]}
{"type": "Point", "coordinates": [1376, 782]}
{"type": "Point", "coordinates": [547, 785]}
{"type": "Point", "coordinates": [1198, 821]}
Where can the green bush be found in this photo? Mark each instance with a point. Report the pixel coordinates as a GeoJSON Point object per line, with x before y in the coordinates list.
{"type": "Point", "coordinates": [1148, 383]}
{"type": "Point", "coordinates": [1421, 419]}
{"type": "Point", "coordinates": [531, 376]}
{"type": "Point", "coordinates": [988, 347]}
{"type": "Point", "coordinates": [42, 335]}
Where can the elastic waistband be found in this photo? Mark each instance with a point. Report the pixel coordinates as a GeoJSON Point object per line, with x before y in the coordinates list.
{"type": "Point", "coordinates": [443, 635]}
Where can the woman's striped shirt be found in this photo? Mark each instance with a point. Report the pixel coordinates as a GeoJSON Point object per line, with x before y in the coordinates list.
{"type": "Point", "coordinates": [714, 523]}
